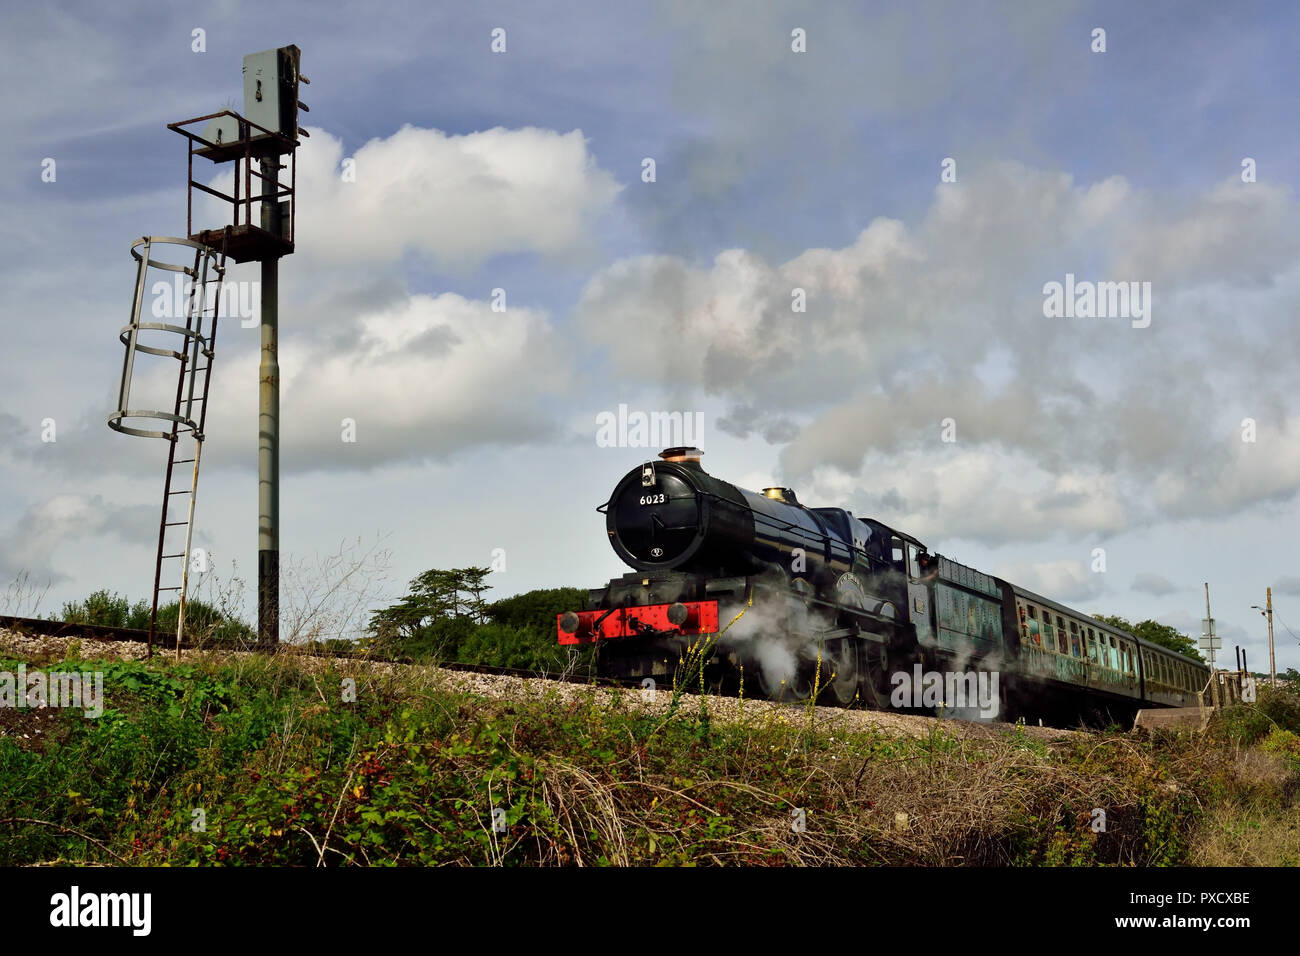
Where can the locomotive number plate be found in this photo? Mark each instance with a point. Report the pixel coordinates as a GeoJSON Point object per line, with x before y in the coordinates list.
{"type": "Point", "coordinates": [654, 499]}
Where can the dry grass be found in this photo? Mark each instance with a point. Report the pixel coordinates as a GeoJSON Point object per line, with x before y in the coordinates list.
{"type": "Point", "coordinates": [1243, 835]}
{"type": "Point", "coordinates": [594, 776]}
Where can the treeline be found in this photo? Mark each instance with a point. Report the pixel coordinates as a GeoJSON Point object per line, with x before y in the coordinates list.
{"type": "Point", "coordinates": [1156, 633]}
{"type": "Point", "coordinates": [444, 616]}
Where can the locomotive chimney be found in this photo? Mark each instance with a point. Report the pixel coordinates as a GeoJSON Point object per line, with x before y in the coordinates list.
{"type": "Point", "coordinates": [682, 453]}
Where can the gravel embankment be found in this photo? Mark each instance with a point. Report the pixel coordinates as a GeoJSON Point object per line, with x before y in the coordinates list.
{"type": "Point", "coordinates": [43, 649]}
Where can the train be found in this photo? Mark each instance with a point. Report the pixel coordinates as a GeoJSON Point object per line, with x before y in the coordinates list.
{"type": "Point", "coordinates": [795, 603]}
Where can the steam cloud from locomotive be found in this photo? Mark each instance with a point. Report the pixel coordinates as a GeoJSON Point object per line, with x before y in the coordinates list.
{"type": "Point", "coordinates": [816, 601]}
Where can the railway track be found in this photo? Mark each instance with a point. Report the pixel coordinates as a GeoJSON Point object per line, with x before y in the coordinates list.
{"type": "Point", "coordinates": [100, 632]}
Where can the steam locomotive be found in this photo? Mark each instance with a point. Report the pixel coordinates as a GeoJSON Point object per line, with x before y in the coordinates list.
{"type": "Point", "coordinates": [804, 602]}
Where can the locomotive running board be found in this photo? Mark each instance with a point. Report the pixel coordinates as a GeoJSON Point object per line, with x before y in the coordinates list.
{"type": "Point", "coordinates": [849, 632]}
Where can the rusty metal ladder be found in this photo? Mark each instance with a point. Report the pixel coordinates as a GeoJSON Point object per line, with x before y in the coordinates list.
{"type": "Point", "coordinates": [188, 416]}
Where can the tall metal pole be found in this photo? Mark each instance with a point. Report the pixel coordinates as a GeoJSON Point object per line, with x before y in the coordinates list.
{"type": "Point", "coordinates": [1272, 662]}
{"type": "Point", "coordinates": [268, 425]}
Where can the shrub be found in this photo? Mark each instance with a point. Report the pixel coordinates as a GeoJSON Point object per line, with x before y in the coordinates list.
{"type": "Point", "coordinates": [107, 609]}
{"type": "Point", "coordinates": [1282, 706]}
{"type": "Point", "coordinates": [1241, 724]}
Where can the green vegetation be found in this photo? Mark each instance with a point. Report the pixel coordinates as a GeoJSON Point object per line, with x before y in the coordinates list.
{"type": "Point", "coordinates": [270, 761]}
{"type": "Point", "coordinates": [1156, 633]}
{"type": "Point", "coordinates": [204, 623]}
{"type": "Point", "coordinates": [107, 610]}
{"type": "Point", "coordinates": [443, 617]}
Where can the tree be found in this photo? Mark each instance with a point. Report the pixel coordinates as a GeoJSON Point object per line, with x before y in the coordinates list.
{"type": "Point", "coordinates": [1156, 633]}
{"type": "Point", "coordinates": [470, 580]}
{"type": "Point", "coordinates": [443, 615]}
{"type": "Point", "coordinates": [437, 613]}
{"type": "Point", "coordinates": [537, 609]}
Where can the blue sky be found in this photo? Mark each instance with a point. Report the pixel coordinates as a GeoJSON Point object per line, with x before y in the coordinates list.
{"type": "Point", "coordinates": [775, 169]}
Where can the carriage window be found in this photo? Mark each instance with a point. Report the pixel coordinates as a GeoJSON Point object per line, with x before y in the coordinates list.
{"type": "Point", "coordinates": [1061, 642]}
{"type": "Point", "coordinates": [1032, 614]}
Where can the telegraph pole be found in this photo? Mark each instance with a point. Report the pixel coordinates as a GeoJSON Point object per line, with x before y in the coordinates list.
{"type": "Point", "coordinates": [1209, 640]}
{"type": "Point", "coordinates": [1272, 662]}
{"type": "Point", "coordinates": [1267, 612]}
